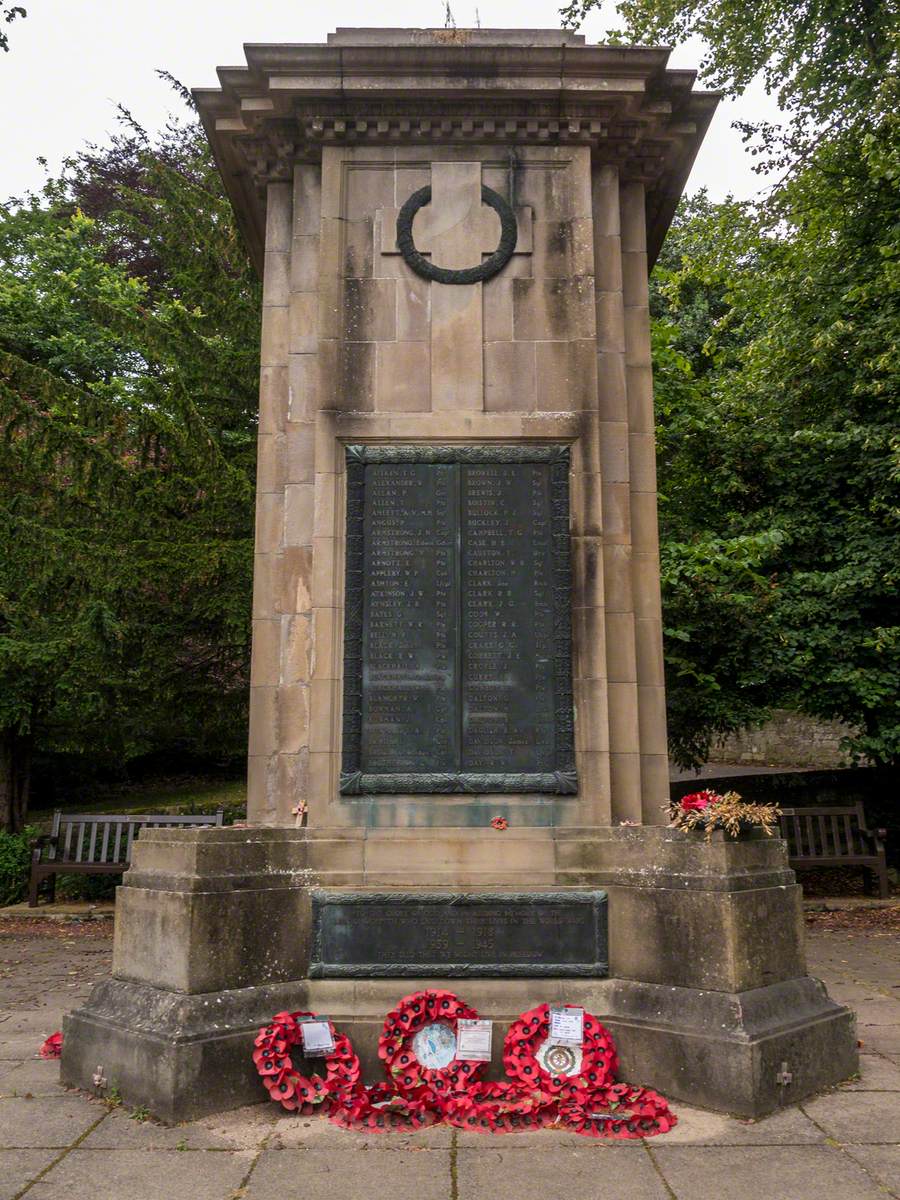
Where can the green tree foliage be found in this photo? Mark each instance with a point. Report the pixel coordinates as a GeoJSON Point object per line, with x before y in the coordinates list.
{"type": "Point", "coordinates": [128, 366]}
{"type": "Point", "coordinates": [776, 327]}
{"type": "Point", "coordinates": [722, 656]}
{"type": "Point", "coordinates": [779, 469]}
{"type": "Point", "coordinates": [828, 61]}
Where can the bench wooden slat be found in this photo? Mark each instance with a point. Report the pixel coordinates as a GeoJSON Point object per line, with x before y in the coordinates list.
{"type": "Point", "coordinates": [798, 836]}
{"type": "Point", "coordinates": [73, 849]}
{"type": "Point", "coordinates": [833, 836]}
{"type": "Point", "coordinates": [54, 835]}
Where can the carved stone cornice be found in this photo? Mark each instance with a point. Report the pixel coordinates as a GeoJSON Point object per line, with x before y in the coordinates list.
{"type": "Point", "coordinates": [454, 87]}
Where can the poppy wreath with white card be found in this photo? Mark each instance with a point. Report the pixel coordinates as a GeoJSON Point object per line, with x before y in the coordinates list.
{"type": "Point", "coordinates": [285, 1084]}
{"type": "Point", "coordinates": [531, 1056]}
{"type": "Point", "coordinates": [418, 1044]}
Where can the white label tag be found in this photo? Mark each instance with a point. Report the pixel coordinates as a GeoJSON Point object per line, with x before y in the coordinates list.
{"type": "Point", "coordinates": [317, 1039]}
{"type": "Point", "coordinates": [566, 1026]}
{"type": "Point", "coordinates": [473, 1040]}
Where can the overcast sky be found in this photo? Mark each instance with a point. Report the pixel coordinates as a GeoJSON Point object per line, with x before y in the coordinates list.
{"type": "Point", "coordinates": [70, 63]}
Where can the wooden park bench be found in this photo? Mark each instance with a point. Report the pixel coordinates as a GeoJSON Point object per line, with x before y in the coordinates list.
{"type": "Point", "coordinates": [835, 837]}
{"type": "Point", "coordinates": [94, 844]}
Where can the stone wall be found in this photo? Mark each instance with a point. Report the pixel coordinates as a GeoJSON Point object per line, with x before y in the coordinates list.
{"type": "Point", "coordinates": [789, 739]}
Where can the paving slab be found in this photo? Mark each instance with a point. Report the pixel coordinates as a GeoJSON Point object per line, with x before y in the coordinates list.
{"type": "Point", "coordinates": [38, 1023]}
{"type": "Point", "coordinates": [144, 1175]}
{"type": "Point", "coordinates": [244, 1127]}
{"type": "Point", "coordinates": [872, 1117]}
{"type": "Point", "coordinates": [122, 1131]}
{"type": "Point", "coordinates": [16, 1047]}
{"type": "Point", "coordinates": [317, 1132]}
{"type": "Point", "coordinates": [34, 1076]}
{"type": "Point", "coordinates": [881, 1162]}
{"type": "Point", "coordinates": [45, 1121]}
{"type": "Point", "coordinates": [590, 1171]}
{"type": "Point", "coordinates": [7, 1066]}
{"type": "Point", "coordinates": [697, 1127]}
{"type": "Point", "coordinates": [876, 1074]}
{"type": "Point", "coordinates": [885, 1041]}
{"type": "Point", "coordinates": [871, 958]}
{"type": "Point", "coordinates": [875, 1012]}
{"type": "Point", "coordinates": [19, 1167]}
{"type": "Point", "coordinates": [764, 1173]}
{"type": "Point", "coordinates": [320, 1174]}
{"type": "Point", "coordinates": [536, 1139]}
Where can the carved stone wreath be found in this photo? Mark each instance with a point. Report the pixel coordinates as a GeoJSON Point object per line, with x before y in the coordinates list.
{"type": "Point", "coordinates": [477, 274]}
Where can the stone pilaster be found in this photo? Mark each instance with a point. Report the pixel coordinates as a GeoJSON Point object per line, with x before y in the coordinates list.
{"type": "Point", "coordinates": [615, 641]}
{"type": "Point", "coordinates": [269, 560]}
{"type": "Point", "coordinates": [651, 699]}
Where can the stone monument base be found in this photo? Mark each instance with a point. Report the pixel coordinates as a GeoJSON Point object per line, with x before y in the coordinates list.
{"type": "Point", "coordinates": [742, 1053]}
{"type": "Point", "coordinates": [707, 996]}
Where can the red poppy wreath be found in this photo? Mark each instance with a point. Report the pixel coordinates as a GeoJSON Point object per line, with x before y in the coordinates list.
{"type": "Point", "coordinates": [285, 1084]}
{"type": "Point", "coordinates": [617, 1111]}
{"type": "Point", "coordinates": [418, 1045]}
{"type": "Point", "coordinates": [381, 1109]}
{"type": "Point", "coordinates": [507, 1107]}
{"type": "Point", "coordinates": [529, 1055]}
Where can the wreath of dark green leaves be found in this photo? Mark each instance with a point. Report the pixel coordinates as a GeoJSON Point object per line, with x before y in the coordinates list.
{"type": "Point", "coordinates": [477, 274]}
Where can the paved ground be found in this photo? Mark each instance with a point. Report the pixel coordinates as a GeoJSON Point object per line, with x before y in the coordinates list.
{"type": "Point", "coordinates": [63, 1146]}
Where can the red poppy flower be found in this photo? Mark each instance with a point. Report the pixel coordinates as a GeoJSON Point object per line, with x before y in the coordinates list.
{"type": "Point", "coordinates": [697, 801]}
{"type": "Point", "coordinates": [52, 1047]}
{"type": "Point", "coordinates": [499, 823]}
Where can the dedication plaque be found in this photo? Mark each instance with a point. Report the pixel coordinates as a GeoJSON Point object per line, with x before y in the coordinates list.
{"type": "Point", "coordinates": [444, 934]}
{"type": "Point", "coordinates": [457, 671]}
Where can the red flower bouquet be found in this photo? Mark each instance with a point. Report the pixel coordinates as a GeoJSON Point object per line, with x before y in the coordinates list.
{"type": "Point", "coordinates": [52, 1047]}
{"type": "Point", "coordinates": [708, 810]}
{"type": "Point", "coordinates": [697, 801]}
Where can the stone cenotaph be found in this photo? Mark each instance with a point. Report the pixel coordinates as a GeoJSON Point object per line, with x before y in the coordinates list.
{"type": "Point", "coordinates": [456, 603]}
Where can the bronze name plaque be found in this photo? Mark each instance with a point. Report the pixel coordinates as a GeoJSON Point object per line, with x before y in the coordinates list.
{"type": "Point", "coordinates": [457, 672]}
{"type": "Point", "coordinates": [433, 934]}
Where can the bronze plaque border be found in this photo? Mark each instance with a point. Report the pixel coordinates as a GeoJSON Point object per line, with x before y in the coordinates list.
{"type": "Point", "coordinates": [562, 780]}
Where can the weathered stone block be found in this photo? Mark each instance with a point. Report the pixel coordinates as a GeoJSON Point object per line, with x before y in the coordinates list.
{"type": "Point", "coordinates": [370, 307]}
{"type": "Point", "coordinates": [403, 377]}
{"type": "Point", "coordinates": [509, 377]}
{"type": "Point", "coordinates": [723, 941]}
